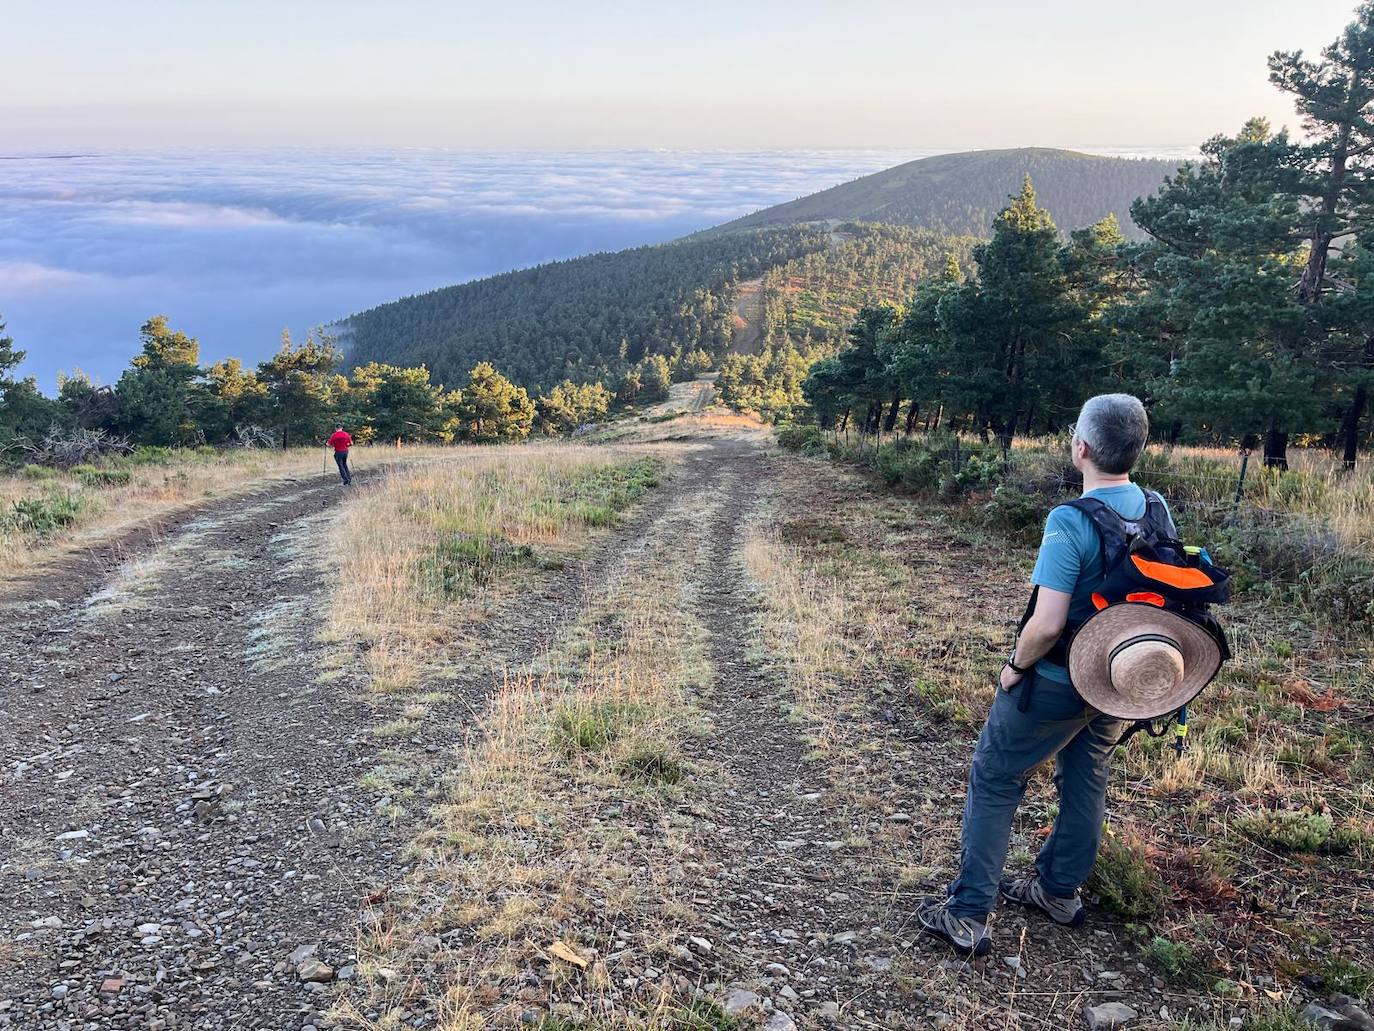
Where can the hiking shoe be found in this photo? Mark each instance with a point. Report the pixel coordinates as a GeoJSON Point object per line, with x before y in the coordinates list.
{"type": "Point", "coordinates": [1028, 891]}
{"type": "Point", "coordinates": [961, 933]}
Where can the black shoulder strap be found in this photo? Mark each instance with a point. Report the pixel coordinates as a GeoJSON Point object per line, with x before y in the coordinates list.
{"type": "Point", "coordinates": [1113, 532]}
{"type": "Point", "coordinates": [1157, 520]}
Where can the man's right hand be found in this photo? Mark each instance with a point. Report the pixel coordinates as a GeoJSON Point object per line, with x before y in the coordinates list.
{"type": "Point", "coordinates": [1010, 678]}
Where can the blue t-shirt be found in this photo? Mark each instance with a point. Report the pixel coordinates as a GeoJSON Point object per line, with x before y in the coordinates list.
{"type": "Point", "coordinates": [1070, 558]}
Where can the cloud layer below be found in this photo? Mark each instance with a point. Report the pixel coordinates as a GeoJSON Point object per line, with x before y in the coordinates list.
{"type": "Point", "coordinates": [235, 246]}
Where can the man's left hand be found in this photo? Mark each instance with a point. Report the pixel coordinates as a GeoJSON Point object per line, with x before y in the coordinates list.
{"type": "Point", "coordinates": [1010, 678]}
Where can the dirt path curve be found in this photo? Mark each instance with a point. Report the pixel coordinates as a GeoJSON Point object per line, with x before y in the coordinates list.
{"type": "Point", "coordinates": [181, 801]}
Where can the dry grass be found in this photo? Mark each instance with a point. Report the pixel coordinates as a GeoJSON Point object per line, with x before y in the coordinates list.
{"type": "Point", "coordinates": [434, 548]}
{"type": "Point", "coordinates": [560, 833]}
{"type": "Point", "coordinates": [154, 491]}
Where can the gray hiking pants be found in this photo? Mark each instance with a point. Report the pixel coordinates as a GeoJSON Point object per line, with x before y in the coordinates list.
{"type": "Point", "coordinates": [1013, 743]}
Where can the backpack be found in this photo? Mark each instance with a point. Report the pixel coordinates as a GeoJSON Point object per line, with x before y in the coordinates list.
{"type": "Point", "coordinates": [1143, 561]}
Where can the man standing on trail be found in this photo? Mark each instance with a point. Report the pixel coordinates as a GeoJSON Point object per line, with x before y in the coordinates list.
{"type": "Point", "coordinates": [1036, 713]}
{"type": "Point", "coordinates": [340, 441]}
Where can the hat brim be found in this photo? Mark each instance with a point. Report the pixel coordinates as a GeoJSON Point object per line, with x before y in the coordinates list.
{"type": "Point", "coordinates": [1092, 645]}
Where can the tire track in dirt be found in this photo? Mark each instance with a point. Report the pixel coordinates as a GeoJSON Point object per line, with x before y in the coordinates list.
{"type": "Point", "coordinates": [784, 891]}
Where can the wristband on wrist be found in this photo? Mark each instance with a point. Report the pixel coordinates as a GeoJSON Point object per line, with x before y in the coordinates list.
{"type": "Point", "coordinates": [1011, 665]}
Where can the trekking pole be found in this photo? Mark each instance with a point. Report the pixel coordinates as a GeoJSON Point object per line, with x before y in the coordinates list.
{"type": "Point", "coordinates": [1181, 732]}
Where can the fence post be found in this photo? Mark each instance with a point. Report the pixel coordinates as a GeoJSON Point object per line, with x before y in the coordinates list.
{"type": "Point", "coordinates": [1240, 480]}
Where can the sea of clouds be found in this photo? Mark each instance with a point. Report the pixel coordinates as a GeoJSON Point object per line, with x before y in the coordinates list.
{"type": "Point", "coordinates": [235, 246]}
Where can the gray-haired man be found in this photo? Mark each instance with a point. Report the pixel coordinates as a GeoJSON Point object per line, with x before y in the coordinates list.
{"type": "Point", "coordinates": [1036, 714]}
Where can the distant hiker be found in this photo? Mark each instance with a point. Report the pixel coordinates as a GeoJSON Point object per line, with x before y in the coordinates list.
{"type": "Point", "coordinates": [340, 441]}
{"type": "Point", "coordinates": [1153, 662]}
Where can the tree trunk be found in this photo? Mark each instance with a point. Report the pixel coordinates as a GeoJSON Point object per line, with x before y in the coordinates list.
{"type": "Point", "coordinates": [911, 415]}
{"type": "Point", "coordinates": [891, 420]}
{"type": "Point", "coordinates": [1314, 275]}
{"type": "Point", "coordinates": [1175, 431]}
{"type": "Point", "coordinates": [1350, 426]}
{"type": "Point", "coordinates": [1276, 449]}
{"type": "Point", "coordinates": [844, 423]}
{"type": "Point", "coordinates": [1350, 429]}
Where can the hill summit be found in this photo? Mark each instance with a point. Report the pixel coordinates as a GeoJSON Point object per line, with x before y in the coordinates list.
{"type": "Point", "coordinates": [962, 193]}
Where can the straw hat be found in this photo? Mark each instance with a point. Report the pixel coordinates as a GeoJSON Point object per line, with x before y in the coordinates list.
{"type": "Point", "coordinates": [1138, 662]}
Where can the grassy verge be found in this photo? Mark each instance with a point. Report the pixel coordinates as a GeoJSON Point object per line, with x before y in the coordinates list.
{"type": "Point", "coordinates": [1244, 865]}
{"type": "Point", "coordinates": [423, 558]}
{"type": "Point", "coordinates": [546, 878]}
{"type": "Point", "coordinates": [46, 512]}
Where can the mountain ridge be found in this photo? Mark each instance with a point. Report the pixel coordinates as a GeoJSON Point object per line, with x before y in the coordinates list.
{"type": "Point", "coordinates": [961, 192]}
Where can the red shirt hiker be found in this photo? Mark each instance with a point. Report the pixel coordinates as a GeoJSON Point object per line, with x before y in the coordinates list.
{"type": "Point", "coordinates": [340, 441]}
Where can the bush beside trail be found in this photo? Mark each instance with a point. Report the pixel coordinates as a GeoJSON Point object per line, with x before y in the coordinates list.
{"type": "Point", "coordinates": [1300, 535]}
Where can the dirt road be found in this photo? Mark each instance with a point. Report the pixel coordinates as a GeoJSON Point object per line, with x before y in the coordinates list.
{"type": "Point", "coordinates": [187, 842]}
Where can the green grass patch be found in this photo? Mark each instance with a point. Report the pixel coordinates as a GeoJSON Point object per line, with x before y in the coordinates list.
{"type": "Point", "coordinates": [1347, 977]}
{"type": "Point", "coordinates": [462, 562]}
{"type": "Point", "coordinates": [698, 1015]}
{"type": "Point", "coordinates": [580, 727]}
{"type": "Point", "coordinates": [943, 705]}
{"type": "Point", "coordinates": [39, 472]}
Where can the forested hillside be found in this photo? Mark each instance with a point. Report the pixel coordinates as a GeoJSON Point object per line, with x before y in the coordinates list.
{"type": "Point", "coordinates": [962, 193]}
{"type": "Point", "coordinates": [583, 319]}
{"type": "Point", "coordinates": [590, 319]}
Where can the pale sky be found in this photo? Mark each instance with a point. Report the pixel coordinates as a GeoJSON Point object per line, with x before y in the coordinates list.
{"type": "Point", "coordinates": [697, 73]}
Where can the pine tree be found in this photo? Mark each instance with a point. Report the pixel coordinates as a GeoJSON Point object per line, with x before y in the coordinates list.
{"type": "Point", "coordinates": [160, 401]}
{"type": "Point", "coordinates": [1335, 179]}
{"type": "Point", "coordinates": [1218, 310]}
{"type": "Point", "coordinates": [492, 409]}
{"type": "Point", "coordinates": [300, 386]}
{"type": "Point", "coordinates": [1013, 339]}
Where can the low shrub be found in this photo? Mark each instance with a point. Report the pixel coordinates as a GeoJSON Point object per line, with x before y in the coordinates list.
{"type": "Point", "coordinates": [1124, 881]}
{"type": "Point", "coordinates": [38, 472]}
{"type": "Point", "coordinates": [94, 476]}
{"type": "Point", "coordinates": [807, 439]}
{"type": "Point", "coordinates": [1179, 962]}
{"type": "Point", "coordinates": [1014, 514]}
{"type": "Point", "coordinates": [1287, 829]}
{"type": "Point", "coordinates": [1299, 560]}
{"type": "Point", "coordinates": [44, 516]}
{"type": "Point", "coordinates": [980, 471]}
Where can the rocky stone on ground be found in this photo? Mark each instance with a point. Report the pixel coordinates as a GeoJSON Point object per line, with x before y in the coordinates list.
{"type": "Point", "coordinates": [1108, 1015]}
